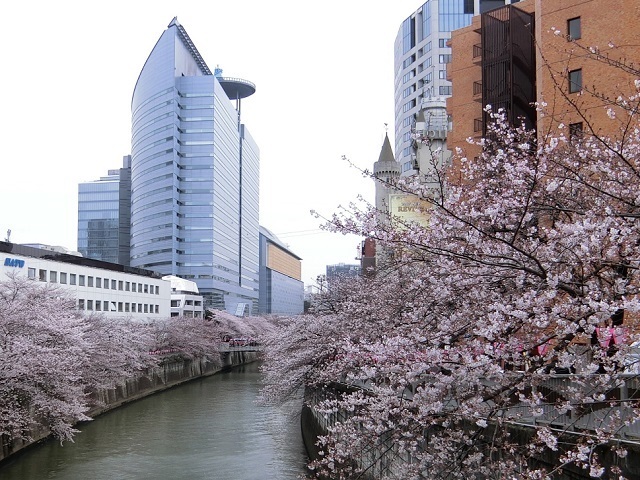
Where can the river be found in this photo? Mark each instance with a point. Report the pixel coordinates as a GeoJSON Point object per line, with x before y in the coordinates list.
{"type": "Point", "coordinates": [210, 428]}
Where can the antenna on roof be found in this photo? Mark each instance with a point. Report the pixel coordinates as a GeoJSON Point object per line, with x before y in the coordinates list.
{"type": "Point", "coordinates": [8, 239]}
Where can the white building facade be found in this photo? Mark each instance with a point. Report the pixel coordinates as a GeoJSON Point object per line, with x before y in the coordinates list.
{"type": "Point", "coordinates": [112, 290]}
{"type": "Point", "coordinates": [185, 298]}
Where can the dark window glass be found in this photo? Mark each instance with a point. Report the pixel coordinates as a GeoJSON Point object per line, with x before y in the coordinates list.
{"type": "Point", "coordinates": [574, 29]}
{"type": "Point", "coordinates": [486, 5]}
{"type": "Point", "coordinates": [575, 131]}
{"type": "Point", "coordinates": [575, 80]}
{"type": "Point", "coordinates": [468, 6]}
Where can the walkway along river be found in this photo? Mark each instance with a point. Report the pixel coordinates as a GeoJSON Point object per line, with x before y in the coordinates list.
{"type": "Point", "coordinates": [205, 429]}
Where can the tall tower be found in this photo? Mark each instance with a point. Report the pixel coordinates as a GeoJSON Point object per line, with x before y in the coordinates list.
{"type": "Point", "coordinates": [386, 171]}
{"type": "Point", "coordinates": [194, 175]}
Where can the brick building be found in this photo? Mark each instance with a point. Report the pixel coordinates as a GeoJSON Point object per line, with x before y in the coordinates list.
{"type": "Point", "coordinates": [538, 50]}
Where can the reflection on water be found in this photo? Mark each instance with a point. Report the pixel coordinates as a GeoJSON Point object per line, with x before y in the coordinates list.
{"type": "Point", "coordinates": [205, 429]}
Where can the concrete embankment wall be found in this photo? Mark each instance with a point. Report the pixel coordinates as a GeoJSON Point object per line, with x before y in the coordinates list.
{"type": "Point", "coordinates": [157, 379]}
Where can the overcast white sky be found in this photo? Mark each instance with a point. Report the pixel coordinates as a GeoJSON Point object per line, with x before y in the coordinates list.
{"type": "Point", "coordinates": [324, 77]}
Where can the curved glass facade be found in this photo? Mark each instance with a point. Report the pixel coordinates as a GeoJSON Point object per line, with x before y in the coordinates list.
{"type": "Point", "coordinates": [190, 210]}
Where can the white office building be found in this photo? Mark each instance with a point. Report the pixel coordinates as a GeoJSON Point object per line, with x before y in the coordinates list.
{"type": "Point", "coordinates": [113, 290]}
{"type": "Point", "coordinates": [186, 301]}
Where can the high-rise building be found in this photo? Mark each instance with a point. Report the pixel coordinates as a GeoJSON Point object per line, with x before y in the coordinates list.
{"type": "Point", "coordinates": [104, 216]}
{"type": "Point", "coordinates": [540, 51]}
{"type": "Point", "coordinates": [194, 175]}
{"type": "Point", "coordinates": [420, 64]}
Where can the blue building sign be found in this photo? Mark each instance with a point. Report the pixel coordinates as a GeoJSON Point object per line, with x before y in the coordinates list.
{"type": "Point", "coordinates": [13, 262]}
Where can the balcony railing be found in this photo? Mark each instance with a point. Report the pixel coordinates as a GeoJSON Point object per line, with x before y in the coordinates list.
{"type": "Point", "coordinates": [477, 50]}
{"type": "Point", "coordinates": [477, 88]}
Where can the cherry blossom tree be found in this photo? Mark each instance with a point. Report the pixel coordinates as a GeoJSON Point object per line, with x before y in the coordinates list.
{"type": "Point", "coordinates": [120, 350]}
{"type": "Point", "coordinates": [477, 347]}
{"type": "Point", "coordinates": [43, 349]}
{"type": "Point", "coordinates": [188, 337]}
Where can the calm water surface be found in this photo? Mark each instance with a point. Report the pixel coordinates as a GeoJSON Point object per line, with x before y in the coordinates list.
{"type": "Point", "coordinates": [206, 429]}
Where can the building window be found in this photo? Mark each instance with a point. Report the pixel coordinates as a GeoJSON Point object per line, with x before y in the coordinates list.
{"type": "Point", "coordinates": [157, 308]}
{"type": "Point", "coordinates": [127, 286]}
{"type": "Point", "coordinates": [139, 288]}
{"type": "Point", "coordinates": [133, 286]}
{"type": "Point", "coordinates": [575, 131]}
{"type": "Point", "coordinates": [42, 275]}
{"type": "Point", "coordinates": [31, 273]}
{"type": "Point", "coordinates": [90, 305]}
{"type": "Point", "coordinates": [442, 43]}
{"type": "Point", "coordinates": [146, 308]}
{"type": "Point", "coordinates": [106, 283]}
{"type": "Point", "coordinates": [574, 29]}
{"type": "Point", "coordinates": [63, 277]}
{"type": "Point", "coordinates": [446, 58]}
{"type": "Point", "coordinates": [468, 7]}
{"type": "Point", "coordinates": [53, 277]}
{"type": "Point", "coordinates": [89, 281]}
{"type": "Point", "coordinates": [98, 282]}
{"type": "Point", "coordinates": [157, 290]}
{"type": "Point", "coordinates": [575, 80]}
{"type": "Point", "coordinates": [81, 304]}
{"type": "Point", "coordinates": [442, 74]}
{"type": "Point", "coordinates": [445, 90]}
{"type": "Point", "coordinates": [98, 305]}
{"type": "Point", "coordinates": [146, 288]}
{"type": "Point", "coordinates": [133, 307]}
{"type": "Point", "coordinates": [81, 280]}
{"type": "Point", "coordinates": [72, 279]}
{"type": "Point", "coordinates": [126, 306]}
{"type": "Point", "coordinates": [139, 308]}
{"type": "Point", "coordinates": [113, 284]}
{"type": "Point", "coordinates": [112, 306]}
{"type": "Point", "coordinates": [119, 306]}
{"type": "Point", "coordinates": [120, 285]}
{"type": "Point", "coordinates": [175, 303]}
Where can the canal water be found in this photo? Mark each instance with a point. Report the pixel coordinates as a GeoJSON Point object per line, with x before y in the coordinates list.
{"type": "Point", "coordinates": [206, 429]}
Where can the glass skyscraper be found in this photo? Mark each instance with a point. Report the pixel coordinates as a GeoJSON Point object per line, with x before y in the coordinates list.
{"type": "Point", "coordinates": [104, 216]}
{"type": "Point", "coordinates": [420, 64]}
{"type": "Point", "coordinates": [194, 175]}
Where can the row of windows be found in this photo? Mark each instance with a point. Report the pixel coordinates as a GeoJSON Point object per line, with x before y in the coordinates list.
{"type": "Point", "coordinates": [65, 278]}
{"type": "Point", "coordinates": [176, 303]}
{"type": "Point", "coordinates": [107, 306]}
{"type": "Point", "coordinates": [187, 314]}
